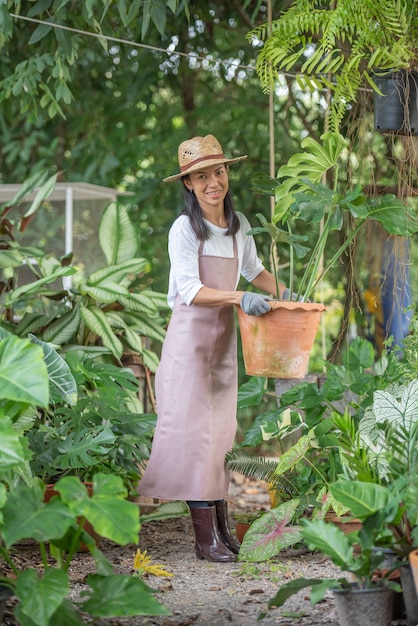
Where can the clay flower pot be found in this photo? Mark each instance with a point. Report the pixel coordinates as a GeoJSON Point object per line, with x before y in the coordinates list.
{"type": "Point", "coordinates": [279, 343]}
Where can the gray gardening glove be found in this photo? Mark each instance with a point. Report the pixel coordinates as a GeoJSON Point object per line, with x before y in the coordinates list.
{"type": "Point", "coordinates": [286, 296]}
{"type": "Point", "coordinates": [254, 303]}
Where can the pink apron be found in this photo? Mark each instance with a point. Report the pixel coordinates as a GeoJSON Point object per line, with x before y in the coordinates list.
{"type": "Point", "coordinates": [196, 387]}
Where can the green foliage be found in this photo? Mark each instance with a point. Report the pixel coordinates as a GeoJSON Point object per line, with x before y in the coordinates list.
{"type": "Point", "coordinates": [42, 594]}
{"type": "Point", "coordinates": [338, 45]}
{"type": "Point", "coordinates": [107, 308]}
{"type": "Point", "coordinates": [105, 431]}
{"type": "Point", "coordinates": [301, 197]}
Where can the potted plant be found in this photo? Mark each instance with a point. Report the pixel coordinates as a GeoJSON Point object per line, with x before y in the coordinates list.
{"type": "Point", "coordinates": [363, 599]}
{"type": "Point", "coordinates": [243, 522]}
{"type": "Point", "coordinates": [301, 197]}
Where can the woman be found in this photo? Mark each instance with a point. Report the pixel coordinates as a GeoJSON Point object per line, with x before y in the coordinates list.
{"type": "Point", "coordinates": [196, 381]}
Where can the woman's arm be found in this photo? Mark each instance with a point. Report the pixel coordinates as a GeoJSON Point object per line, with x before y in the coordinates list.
{"type": "Point", "coordinates": [265, 282]}
{"type": "Point", "coordinates": [216, 297]}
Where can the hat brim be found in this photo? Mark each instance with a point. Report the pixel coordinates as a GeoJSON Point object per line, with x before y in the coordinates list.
{"type": "Point", "coordinates": [200, 166]}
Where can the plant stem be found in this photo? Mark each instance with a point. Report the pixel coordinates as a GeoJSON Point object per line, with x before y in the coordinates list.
{"type": "Point", "coordinates": [8, 560]}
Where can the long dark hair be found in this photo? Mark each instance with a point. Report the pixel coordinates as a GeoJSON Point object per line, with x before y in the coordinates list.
{"type": "Point", "coordinates": [194, 212]}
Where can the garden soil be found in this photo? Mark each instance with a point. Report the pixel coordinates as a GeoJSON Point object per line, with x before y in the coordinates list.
{"type": "Point", "coordinates": [212, 594]}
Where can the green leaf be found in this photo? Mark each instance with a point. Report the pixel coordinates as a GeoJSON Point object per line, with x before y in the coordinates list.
{"type": "Point", "coordinates": [42, 194]}
{"type": "Point", "coordinates": [116, 273]}
{"type": "Point", "coordinates": [363, 499]}
{"type": "Point", "coordinates": [23, 372]}
{"type": "Point", "coordinates": [79, 448]}
{"type": "Point", "coordinates": [119, 595]}
{"type": "Point", "coordinates": [167, 510]}
{"type": "Point", "coordinates": [11, 450]}
{"type": "Point", "coordinates": [251, 392]}
{"type": "Point", "coordinates": [39, 33]}
{"type": "Point", "coordinates": [37, 180]}
{"type": "Point", "coordinates": [33, 287]}
{"type": "Point", "coordinates": [59, 373]}
{"type": "Point", "coordinates": [26, 516]}
{"type": "Point", "coordinates": [118, 236]}
{"type": "Point", "coordinates": [41, 596]}
{"type": "Point", "coordinates": [96, 320]}
{"type": "Point", "coordinates": [295, 454]}
{"type": "Point", "coordinates": [62, 329]}
{"type": "Point", "coordinates": [289, 589]}
{"type": "Point", "coordinates": [110, 514]}
{"type": "Point", "coordinates": [331, 541]}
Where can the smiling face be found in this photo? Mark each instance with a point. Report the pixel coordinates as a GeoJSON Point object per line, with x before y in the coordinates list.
{"type": "Point", "coordinates": [210, 186]}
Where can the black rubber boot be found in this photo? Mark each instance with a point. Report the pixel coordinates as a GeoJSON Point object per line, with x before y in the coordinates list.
{"type": "Point", "coordinates": [209, 545]}
{"type": "Point", "coordinates": [227, 538]}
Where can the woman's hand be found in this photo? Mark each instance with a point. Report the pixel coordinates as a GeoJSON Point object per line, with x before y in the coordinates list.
{"type": "Point", "coordinates": [254, 303]}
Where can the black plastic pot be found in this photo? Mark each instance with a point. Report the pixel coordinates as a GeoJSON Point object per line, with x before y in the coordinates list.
{"type": "Point", "coordinates": [5, 594]}
{"type": "Point", "coordinates": [409, 593]}
{"type": "Point", "coordinates": [397, 109]}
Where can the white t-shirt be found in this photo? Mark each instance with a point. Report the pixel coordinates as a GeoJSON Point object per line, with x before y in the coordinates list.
{"type": "Point", "coordinates": [183, 249]}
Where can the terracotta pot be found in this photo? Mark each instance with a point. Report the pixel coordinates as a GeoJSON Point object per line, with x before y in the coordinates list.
{"type": "Point", "coordinates": [50, 491]}
{"type": "Point", "coordinates": [413, 561]}
{"type": "Point", "coordinates": [240, 530]}
{"type": "Point", "coordinates": [279, 343]}
{"type": "Point", "coordinates": [346, 524]}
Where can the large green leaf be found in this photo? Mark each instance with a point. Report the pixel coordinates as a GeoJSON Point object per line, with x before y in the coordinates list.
{"type": "Point", "coordinates": [26, 516]}
{"type": "Point", "coordinates": [23, 372]}
{"type": "Point", "coordinates": [121, 595]}
{"type": "Point", "coordinates": [117, 234]}
{"type": "Point", "coordinates": [11, 450]}
{"type": "Point", "coordinates": [41, 596]}
{"type": "Point", "coordinates": [251, 392]}
{"type": "Point", "coordinates": [363, 499]}
{"type": "Point", "coordinates": [107, 293]}
{"type": "Point", "coordinates": [59, 373]}
{"type": "Point", "coordinates": [115, 273]}
{"type": "Point", "coordinates": [33, 288]}
{"type": "Point", "coordinates": [79, 448]}
{"type": "Point", "coordinates": [110, 514]}
{"type": "Point", "coordinates": [292, 456]}
{"type": "Point", "coordinates": [96, 320]}
{"type": "Point", "coordinates": [331, 541]}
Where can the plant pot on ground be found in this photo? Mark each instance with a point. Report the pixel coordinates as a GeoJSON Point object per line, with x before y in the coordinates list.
{"type": "Point", "coordinates": [243, 522]}
{"type": "Point", "coordinates": [378, 509]}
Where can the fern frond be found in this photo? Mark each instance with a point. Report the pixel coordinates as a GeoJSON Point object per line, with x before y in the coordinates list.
{"type": "Point", "coordinates": [260, 468]}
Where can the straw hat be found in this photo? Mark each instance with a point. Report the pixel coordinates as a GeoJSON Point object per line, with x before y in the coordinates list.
{"type": "Point", "coordinates": [200, 152]}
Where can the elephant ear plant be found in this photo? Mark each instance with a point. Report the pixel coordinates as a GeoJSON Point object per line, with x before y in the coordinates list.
{"type": "Point", "coordinates": [301, 197]}
{"type": "Point", "coordinates": [57, 526]}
